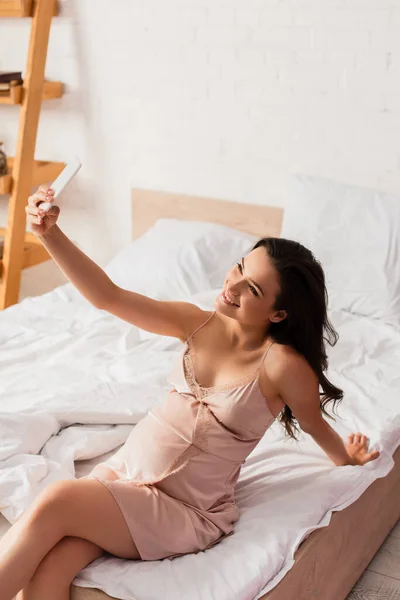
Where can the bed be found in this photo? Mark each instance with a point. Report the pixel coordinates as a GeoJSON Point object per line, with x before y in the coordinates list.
{"type": "Point", "coordinates": [338, 542]}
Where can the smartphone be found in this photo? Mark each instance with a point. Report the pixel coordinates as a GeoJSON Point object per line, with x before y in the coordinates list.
{"type": "Point", "coordinates": [69, 171]}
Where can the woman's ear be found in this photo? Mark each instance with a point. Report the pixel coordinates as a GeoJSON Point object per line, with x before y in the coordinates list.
{"type": "Point", "coordinates": [279, 316]}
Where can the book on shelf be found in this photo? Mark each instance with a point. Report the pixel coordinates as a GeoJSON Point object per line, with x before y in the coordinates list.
{"type": "Point", "coordinates": [8, 76]}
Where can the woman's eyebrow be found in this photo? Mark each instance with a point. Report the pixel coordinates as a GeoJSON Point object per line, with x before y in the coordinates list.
{"type": "Point", "coordinates": [252, 280]}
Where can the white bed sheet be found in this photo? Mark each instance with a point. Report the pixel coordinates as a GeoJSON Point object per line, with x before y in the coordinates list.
{"type": "Point", "coordinates": [75, 380]}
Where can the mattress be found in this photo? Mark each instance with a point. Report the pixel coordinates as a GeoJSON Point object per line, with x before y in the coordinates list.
{"type": "Point", "coordinates": [90, 377]}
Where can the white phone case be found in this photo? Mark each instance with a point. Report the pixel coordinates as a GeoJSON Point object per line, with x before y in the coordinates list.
{"type": "Point", "coordinates": [69, 171]}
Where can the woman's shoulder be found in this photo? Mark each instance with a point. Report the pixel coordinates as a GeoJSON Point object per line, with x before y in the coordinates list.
{"type": "Point", "coordinates": [285, 361]}
{"type": "Point", "coordinates": [283, 367]}
{"type": "Point", "coordinates": [195, 317]}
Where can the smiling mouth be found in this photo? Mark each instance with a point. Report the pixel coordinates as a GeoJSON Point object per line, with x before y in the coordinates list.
{"type": "Point", "coordinates": [228, 300]}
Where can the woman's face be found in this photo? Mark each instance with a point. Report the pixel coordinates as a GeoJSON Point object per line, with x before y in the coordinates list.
{"type": "Point", "coordinates": [252, 284]}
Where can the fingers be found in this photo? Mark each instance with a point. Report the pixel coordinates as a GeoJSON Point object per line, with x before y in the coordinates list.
{"type": "Point", "coordinates": [359, 450]}
{"type": "Point", "coordinates": [35, 220]}
{"type": "Point", "coordinates": [34, 211]}
{"type": "Point", "coordinates": [45, 188]}
{"type": "Point", "coordinates": [34, 214]}
{"type": "Point", "coordinates": [370, 457]}
{"type": "Point", "coordinates": [358, 438]}
{"type": "Point", "coordinates": [43, 194]}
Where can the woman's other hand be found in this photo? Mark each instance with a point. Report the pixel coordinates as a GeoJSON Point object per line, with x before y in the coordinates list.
{"type": "Point", "coordinates": [357, 449]}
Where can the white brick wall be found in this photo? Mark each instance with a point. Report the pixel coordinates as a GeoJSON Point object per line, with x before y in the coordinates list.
{"type": "Point", "coordinates": [213, 97]}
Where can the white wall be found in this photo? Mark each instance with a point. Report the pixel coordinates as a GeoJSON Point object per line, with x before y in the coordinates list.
{"type": "Point", "coordinates": [212, 97]}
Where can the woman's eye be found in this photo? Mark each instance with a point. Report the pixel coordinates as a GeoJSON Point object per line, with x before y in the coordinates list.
{"type": "Point", "coordinates": [253, 289]}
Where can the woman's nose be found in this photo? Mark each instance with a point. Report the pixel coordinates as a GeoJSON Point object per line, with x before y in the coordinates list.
{"type": "Point", "coordinates": [234, 288]}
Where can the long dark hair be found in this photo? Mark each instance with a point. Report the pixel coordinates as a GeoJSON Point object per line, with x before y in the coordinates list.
{"type": "Point", "coordinates": [304, 296]}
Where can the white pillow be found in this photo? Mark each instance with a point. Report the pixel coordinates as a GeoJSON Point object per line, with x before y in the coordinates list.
{"type": "Point", "coordinates": [175, 259]}
{"type": "Point", "coordinates": [355, 233]}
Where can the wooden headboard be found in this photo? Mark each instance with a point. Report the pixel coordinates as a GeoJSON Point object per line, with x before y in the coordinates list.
{"type": "Point", "coordinates": [150, 205]}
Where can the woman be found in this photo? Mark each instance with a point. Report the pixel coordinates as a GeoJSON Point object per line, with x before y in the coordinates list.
{"type": "Point", "coordinates": [169, 490]}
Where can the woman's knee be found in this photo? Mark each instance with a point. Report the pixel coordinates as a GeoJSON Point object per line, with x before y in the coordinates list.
{"type": "Point", "coordinates": [52, 498]}
{"type": "Point", "coordinates": [46, 515]}
{"type": "Point", "coordinates": [83, 509]}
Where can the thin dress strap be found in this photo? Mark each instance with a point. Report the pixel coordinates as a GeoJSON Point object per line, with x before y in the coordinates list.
{"type": "Point", "coordinates": [265, 354]}
{"type": "Point", "coordinates": [199, 327]}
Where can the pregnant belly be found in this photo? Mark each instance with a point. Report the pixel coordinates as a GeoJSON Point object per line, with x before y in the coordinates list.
{"type": "Point", "coordinates": [152, 451]}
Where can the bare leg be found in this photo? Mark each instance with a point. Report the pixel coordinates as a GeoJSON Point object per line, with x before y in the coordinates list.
{"type": "Point", "coordinates": [78, 508]}
{"type": "Point", "coordinates": [25, 543]}
{"type": "Point", "coordinates": [53, 577]}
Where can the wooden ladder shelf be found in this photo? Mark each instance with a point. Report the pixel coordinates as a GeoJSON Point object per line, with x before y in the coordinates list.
{"type": "Point", "coordinates": [21, 248]}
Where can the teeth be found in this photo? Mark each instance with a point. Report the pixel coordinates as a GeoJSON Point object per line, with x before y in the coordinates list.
{"type": "Point", "coordinates": [228, 299]}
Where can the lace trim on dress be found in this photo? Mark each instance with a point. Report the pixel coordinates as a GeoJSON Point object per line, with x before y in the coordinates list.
{"type": "Point", "coordinates": [198, 444]}
{"type": "Point", "coordinates": [200, 391]}
{"type": "Point", "coordinates": [202, 423]}
{"type": "Point", "coordinates": [177, 465]}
